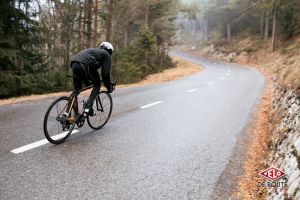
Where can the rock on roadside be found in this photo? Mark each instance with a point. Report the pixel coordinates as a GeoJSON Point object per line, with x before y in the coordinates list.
{"type": "Point", "coordinates": [285, 147]}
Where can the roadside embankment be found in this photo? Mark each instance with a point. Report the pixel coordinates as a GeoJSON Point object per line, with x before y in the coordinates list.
{"type": "Point", "coordinates": [285, 147]}
{"type": "Point", "coordinates": [182, 68]}
{"type": "Point", "coordinates": [257, 150]}
{"type": "Point", "coordinates": [274, 142]}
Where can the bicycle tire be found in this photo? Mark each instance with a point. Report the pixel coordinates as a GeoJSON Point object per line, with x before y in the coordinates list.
{"type": "Point", "coordinates": [59, 138]}
{"type": "Point", "coordinates": [92, 120]}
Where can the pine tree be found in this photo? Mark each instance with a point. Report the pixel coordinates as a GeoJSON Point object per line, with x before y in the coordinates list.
{"type": "Point", "coordinates": [20, 38]}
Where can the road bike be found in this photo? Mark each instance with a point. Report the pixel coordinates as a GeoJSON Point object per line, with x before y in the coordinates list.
{"type": "Point", "coordinates": [63, 114]}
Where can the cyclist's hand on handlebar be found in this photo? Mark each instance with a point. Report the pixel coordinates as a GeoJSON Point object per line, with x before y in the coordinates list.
{"type": "Point", "coordinates": [112, 86]}
{"type": "Point", "coordinates": [110, 90]}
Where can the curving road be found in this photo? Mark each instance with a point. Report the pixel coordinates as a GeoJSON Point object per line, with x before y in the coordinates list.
{"type": "Point", "coordinates": [165, 141]}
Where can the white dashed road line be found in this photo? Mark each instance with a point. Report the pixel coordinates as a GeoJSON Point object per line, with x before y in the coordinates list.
{"type": "Point", "coordinates": [227, 74]}
{"type": "Point", "coordinates": [38, 143]}
{"type": "Point", "coordinates": [150, 104]}
{"type": "Point", "coordinates": [45, 141]}
{"type": "Point", "coordinates": [211, 83]}
{"type": "Point", "coordinates": [192, 90]}
{"type": "Point", "coordinates": [221, 78]}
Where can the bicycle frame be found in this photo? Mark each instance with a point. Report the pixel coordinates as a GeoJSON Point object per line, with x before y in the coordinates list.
{"type": "Point", "coordinates": [74, 103]}
{"type": "Point", "coordinates": [65, 111]}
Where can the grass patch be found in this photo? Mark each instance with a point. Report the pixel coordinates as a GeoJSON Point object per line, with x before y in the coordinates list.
{"type": "Point", "coordinates": [254, 47]}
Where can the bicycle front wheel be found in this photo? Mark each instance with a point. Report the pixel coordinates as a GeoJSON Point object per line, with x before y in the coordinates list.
{"type": "Point", "coordinates": [57, 125]}
{"type": "Point", "coordinates": [103, 107]}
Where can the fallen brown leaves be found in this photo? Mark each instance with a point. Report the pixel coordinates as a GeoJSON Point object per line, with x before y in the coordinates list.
{"type": "Point", "coordinates": [183, 68]}
{"type": "Point", "coordinates": [257, 152]}
{"type": "Point", "coordinates": [31, 97]}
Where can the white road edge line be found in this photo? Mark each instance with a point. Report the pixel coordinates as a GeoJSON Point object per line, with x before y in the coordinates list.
{"type": "Point", "coordinates": [38, 143]}
{"type": "Point", "coordinates": [192, 90]}
{"type": "Point", "coordinates": [211, 83]}
{"type": "Point", "coordinates": [150, 104]}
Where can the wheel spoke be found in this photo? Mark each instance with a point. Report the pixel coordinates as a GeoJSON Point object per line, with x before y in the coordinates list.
{"type": "Point", "coordinates": [101, 117]}
{"type": "Point", "coordinates": [53, 128]}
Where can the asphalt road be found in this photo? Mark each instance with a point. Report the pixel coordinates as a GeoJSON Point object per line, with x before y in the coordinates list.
{"type": "Point", "coordinates": [178, 148]}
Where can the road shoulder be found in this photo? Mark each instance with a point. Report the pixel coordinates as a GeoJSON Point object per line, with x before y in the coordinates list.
{"type": "Point", "coordinates": [239, 179]}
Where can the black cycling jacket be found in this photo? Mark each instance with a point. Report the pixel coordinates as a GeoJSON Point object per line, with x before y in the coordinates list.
{"type": "Point", "coordinates": [96, 58]}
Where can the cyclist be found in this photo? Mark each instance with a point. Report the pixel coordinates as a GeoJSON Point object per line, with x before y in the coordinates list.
{"type": "Point", "coordinates": [84, 67]}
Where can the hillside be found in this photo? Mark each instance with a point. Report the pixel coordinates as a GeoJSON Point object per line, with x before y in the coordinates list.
{"type": "Point", "coordinates": [282, 66]}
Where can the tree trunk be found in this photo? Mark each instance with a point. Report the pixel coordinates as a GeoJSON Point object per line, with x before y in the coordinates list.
{"type": "Point", "coordinates": [262, 25]}
{"type": "Point", "coordinates": [146, 26]}
{"type": "Point", "coordinates": [57, 45]}
{"type": "Point", "coordinates": [89, 23]}
{"type": "Point", "coordinates": [193, 27]}
{"type": "Point", "coordinates": [96, 24]}
{"type": "Point", "coordinates": [201, 29]}
{"type": "Point", "coordinates": [267, 26]}
{"type": "Point", "coordinates": [110, 22]}
{"type": "Point", "coordinates": [146, 20]}
{"type": "Point", "coordinates": [69, 30]}
{"type": "Point", "coordinates": [205, 29]}
{"type": "Point", "coordinates": [274, 29]}
{"type": "Point", "coordinates": [80, 27]}
{"type": "Point", "coordinates": [26, 8]}
{"type": "Point", "coordinates": [126, 38]}
{"type": "Point", "coordinates": [84, 25]}
{"type": "Point", "coordinates": [228, 28]}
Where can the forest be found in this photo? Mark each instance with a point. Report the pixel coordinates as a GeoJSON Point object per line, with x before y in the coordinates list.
{"type": "Point", "coordinates": [271, 20]}
{"type": "Point", "coordinates": [39, 37]}
{"type": "Point", "coordinates": [261, 33]}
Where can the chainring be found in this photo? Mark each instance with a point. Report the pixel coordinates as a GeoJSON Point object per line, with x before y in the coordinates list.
{"type": "Point", "coordinates": [80, 122]}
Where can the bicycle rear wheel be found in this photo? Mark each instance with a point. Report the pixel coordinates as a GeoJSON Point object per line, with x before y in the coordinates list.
{"type": "Point", "coordinates": [57, 126]}
{"type": "Point", "coordinates": [103, 107]}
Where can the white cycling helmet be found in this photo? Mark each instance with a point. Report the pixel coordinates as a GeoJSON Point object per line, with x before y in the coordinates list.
{"type": "Point", "coordinates": [107, 46]}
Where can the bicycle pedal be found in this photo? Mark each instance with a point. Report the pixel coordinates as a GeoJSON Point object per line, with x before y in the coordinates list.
{"type": "Point", "coordinates": [80, 121]}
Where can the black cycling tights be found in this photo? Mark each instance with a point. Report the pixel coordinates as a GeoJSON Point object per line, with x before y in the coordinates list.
{"type": "Point", "coordinates": [82, 73]}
